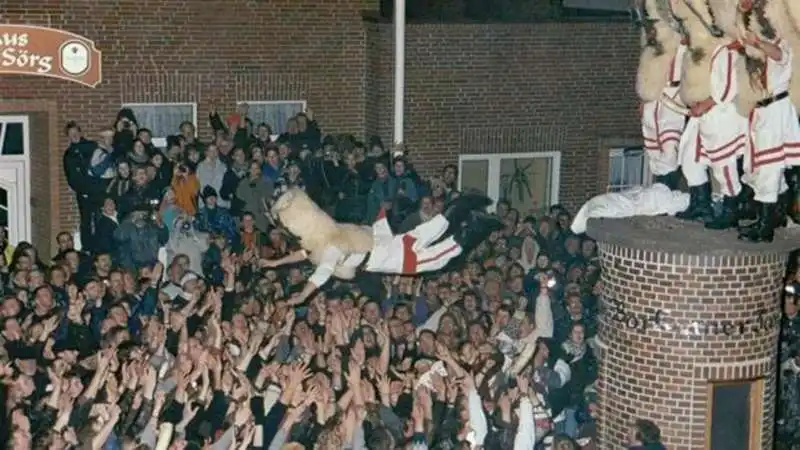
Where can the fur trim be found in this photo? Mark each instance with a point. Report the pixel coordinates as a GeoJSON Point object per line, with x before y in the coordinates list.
{"type": "Point", "coordinates": [696, 80]}
{"type": "Point", "coordinates": [792, 8]}
{"type": "Point", "coordinates": [785, 17]}
{"type": "Point", "coordinates": [725, 15]}
{"type": "Point", "coordinates": [653, 74]}
{"type": "Point", "coordinates": [317, 230]}
{"type": "Point", "coordinates": [747, 94]}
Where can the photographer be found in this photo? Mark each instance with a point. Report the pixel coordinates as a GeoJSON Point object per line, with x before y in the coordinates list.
{"type": "Point", "coordinates": [125, 130]}
{"type": "Point", "coordinates": [141, 192]}
{"type": "Point", "coordinates": [139, 237]}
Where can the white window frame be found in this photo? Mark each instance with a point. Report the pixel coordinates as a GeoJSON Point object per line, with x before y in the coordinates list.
{"type": "Point", "coordinates": [647, 176]}
{"type": "Point", "coordinates": [18, 167]}
{"type": "Point", "coordinates": [161, 141]}
{"type": "Point", "coordinates": [493, 190]}
{"type": "Point", "coordinates": [272, 102]}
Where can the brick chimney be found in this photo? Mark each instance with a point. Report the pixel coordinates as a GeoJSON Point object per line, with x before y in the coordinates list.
{"type": "Point", "coordinates": [689, 333]}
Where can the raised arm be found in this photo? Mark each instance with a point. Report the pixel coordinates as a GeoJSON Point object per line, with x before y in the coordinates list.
{"type": "Point", "coordinates": [324, 271]}
{"type": "Point", "coordinates": [291, 258]}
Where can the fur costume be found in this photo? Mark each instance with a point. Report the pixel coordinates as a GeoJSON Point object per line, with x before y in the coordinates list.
{"type": "Point", "coordinates": [714, 136]}
{"type": "Point", "coordinates": [696, 81]}
{"type": "Point", "coordinates": [340, 250]}
{"type": "Point", "coordinates": [660, 67]}
{"type": "Point", "coordinates": [659, 45]}
{"type": "Point", "coordinates": [317, 230]}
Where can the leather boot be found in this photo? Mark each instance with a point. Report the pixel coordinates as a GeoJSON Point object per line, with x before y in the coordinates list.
{"type": "Point", "coordinates": [699, 204]}
{"type": "Point", "coordinates": [729, 218]}
{"type": "Point", "coordinates": [782, 209]}
{"type": "Point", "coordinates": [670, 180]}
{"type": "Point", "coordinates": [748, 208]}
{"type": "Point", "coordinates": [477, 229]}
{"type": "Point", "coordinates": [764, 228]}
{"type": "Point", "coordinates": [459, 209]}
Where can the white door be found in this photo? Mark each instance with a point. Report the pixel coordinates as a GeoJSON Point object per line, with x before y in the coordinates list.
{"type": "Point", "coordinates": [15, 186]}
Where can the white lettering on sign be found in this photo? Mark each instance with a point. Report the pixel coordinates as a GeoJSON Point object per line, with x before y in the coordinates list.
{"type": "Point", "coordinates": [14, 55]}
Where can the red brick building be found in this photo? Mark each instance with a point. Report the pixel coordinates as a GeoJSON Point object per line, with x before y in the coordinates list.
{"type": "Point", "coordinates": [555, 96]}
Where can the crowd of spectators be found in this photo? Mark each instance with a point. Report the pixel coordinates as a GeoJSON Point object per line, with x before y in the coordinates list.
{"type": "Point", "coordinates": [168, 330]}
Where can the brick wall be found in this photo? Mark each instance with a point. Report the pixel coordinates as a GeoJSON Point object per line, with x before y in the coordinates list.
{"type": "Point", "coordinates": [502, 88]}
{"type": "Point", "coordinates": [205, 52]}
{"type": "Point", "coordinates": [470, 88]}
{"type": "Point", "coordinates": [661, 372]}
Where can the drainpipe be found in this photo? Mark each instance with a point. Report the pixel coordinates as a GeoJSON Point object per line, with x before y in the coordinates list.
{"type": "Point", "coordinates": [399, 68]}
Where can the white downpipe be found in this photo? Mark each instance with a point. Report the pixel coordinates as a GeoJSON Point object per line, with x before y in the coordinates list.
{"type": "Point", "coordinates": [399, 68]}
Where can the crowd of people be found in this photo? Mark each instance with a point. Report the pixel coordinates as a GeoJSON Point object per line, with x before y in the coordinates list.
{"type": "Point", "coordinates": [169, 328]}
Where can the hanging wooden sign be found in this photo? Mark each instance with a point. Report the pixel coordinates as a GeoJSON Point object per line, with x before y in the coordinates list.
{"type": "Point", "coordinates": [47, 52]}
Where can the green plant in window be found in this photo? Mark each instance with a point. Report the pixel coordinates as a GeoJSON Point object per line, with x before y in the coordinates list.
{"type": "Point", "coordinates": [515, 186]}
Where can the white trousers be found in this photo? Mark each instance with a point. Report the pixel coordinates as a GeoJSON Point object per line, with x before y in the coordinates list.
{"type": "Point", "coordinates": [767, 182]}
{"type": "Point", "coordinates": [773, 138]}
{"type": "Point", "coordinates": [411, 253]}
{"type": "Point", "coordinates": [695, 162]}
{"type": "Point", "coordinates": [661, 130]}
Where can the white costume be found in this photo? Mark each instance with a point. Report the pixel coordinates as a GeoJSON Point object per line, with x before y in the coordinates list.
{"type": "Point", "coordinates": [718, 137]}
{"type": "Point", "coordinates": [341, 249]}
{"type": "Point", "coordinates": [639, 201]}
{"type": "Point", "coordinates": [403, 254]}
{"type": "Point", "coordinates": [662, 126]}
{"type": "Point", "coordinates": [773, 131]}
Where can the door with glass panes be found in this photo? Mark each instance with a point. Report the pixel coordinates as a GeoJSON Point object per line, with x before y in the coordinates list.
{"type": "Point", "coordinates": [15, 178]}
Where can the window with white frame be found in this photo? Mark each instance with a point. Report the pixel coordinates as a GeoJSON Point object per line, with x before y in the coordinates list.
{"type": "Point", "coordinates": [276, 113]}
{"type": "Point", "coordinates": [163, 119]}
{"type": "Point", "coordinates": [627, 168]}
{"type": "Point", "coordinates": [528, 181]}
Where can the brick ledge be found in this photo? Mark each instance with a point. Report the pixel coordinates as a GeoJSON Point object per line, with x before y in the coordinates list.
{"type": "Point", "coordinates": [669, 234]}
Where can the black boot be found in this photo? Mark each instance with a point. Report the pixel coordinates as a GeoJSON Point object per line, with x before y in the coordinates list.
{"type": "Point", "coordinates": [782, 209]}
{"type": "Point", "coordinates": [479, 226]}
{"type": "Point", "coordinates": [728, 218]}
{"type": "Point", "coordinates": [699, 204]}
{"type": "Point", "coordinates": [748, 208]}
{"type": "Point", "coordinates": [764, 229]}
{"type": "Point", "coordinates": [670, 180]}
{"type": "Point", "coordinates": [458, 210]}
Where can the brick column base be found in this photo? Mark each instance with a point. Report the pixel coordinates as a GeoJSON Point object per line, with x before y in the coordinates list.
{"type": "Point", "coordinates": [685, 308]}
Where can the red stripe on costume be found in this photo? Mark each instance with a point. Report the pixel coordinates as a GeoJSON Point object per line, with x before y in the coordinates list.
{"type": "Point", "coordinates": [775, 155]}
{"type": "Point", "coordinates": [726, 172]}
{"type": "Point", "coordinates": [728, 75]}
{"type": "Point", "coordinates": [725, 155]}
{"type": "Point", "coordinates": [655, 117]}
{"type": "Point", "coordinates": [671, 139]}
{"type": "Point", "coordinates": [409, 255]}
{"type": "Point", "coordinates": [729, 144]}
{"type": "Point", "coordinates": [698, 148]}
{"type": "Point", "coordinates": [439, 255]}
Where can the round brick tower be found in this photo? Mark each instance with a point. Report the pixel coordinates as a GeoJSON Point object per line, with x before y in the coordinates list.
{"type": "Point", "coordinates": [689, 332]}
